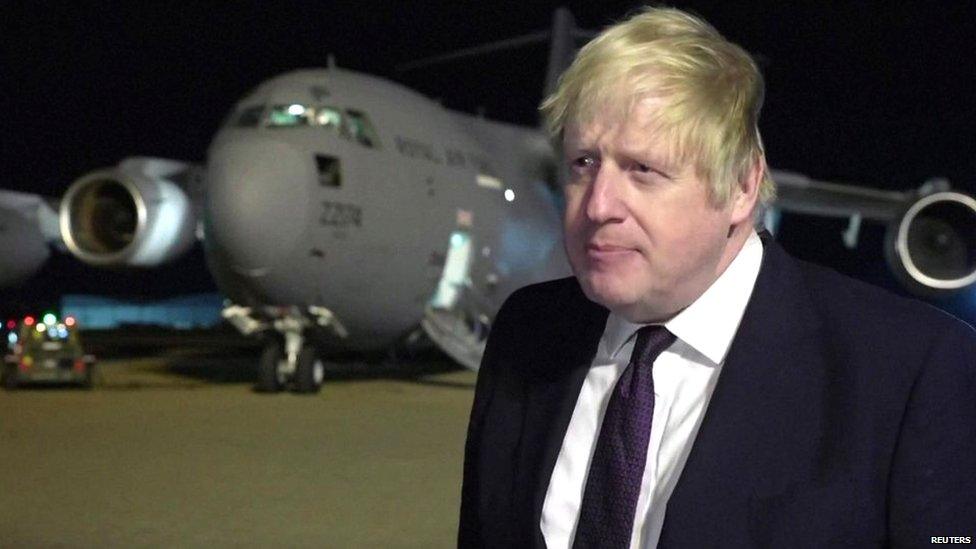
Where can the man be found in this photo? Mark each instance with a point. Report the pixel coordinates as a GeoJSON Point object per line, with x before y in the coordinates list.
{"type": "Point", "coordinates": [693, 385]}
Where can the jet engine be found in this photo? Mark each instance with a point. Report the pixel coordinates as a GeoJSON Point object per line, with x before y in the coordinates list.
{"type": "Point", "coordinates": [931, 247]}
{"type": "Point", "coordinates": [137, 214]}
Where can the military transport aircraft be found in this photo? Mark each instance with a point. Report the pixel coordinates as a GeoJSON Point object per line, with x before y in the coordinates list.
{"type": "Point", "coordinates": [340, 208]}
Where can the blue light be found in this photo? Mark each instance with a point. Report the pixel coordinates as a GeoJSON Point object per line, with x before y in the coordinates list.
{"type": "Point", "coordinates": [457, 239]}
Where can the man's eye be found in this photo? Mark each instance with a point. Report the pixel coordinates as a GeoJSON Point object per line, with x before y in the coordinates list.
{"type": "Point", "coordinates": [640, 168]}
{"type": "Point", "coordinates": [583, 162]}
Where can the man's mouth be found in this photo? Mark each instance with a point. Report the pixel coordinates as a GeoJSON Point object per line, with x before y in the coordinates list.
{"type": "Point", "coordinates": [604, 251]}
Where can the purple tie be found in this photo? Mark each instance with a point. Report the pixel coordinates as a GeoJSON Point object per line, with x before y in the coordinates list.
{"type": "Point", "coordinates": [614, 481]}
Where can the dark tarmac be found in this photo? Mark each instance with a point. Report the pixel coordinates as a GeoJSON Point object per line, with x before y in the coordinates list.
{"type": "Point", "coordinates": [176, 450]}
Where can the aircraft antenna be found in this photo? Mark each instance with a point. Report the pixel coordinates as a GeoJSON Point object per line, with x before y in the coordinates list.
{"type": "Point", "coordinates": [562, 34]}
{"type": "Point", "coordinates": [506, 44]}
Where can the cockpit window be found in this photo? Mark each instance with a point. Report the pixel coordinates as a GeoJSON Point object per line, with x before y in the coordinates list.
{"type": "Point", "coordinates": [349, 124]}
{"type": "Point", "coordinates": [286, 116]}
{"type": "Point", "coordinates": [362, 129]}
{"type": "Point", "coordinates": [289, 116]}
{"type": "Point", "coordinates": [249, 117]}
{"type": "Point", "coordinates": [330, 118]}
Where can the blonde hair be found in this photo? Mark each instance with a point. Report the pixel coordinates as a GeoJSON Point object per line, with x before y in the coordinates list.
{"type": "Point", "coordinates": [711, 89]}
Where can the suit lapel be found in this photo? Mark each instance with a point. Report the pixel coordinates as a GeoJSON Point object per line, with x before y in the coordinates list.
{"type": "Point", "coordinates": [552, 396]}
{"type": "Point", "coordinates": [752, 407]}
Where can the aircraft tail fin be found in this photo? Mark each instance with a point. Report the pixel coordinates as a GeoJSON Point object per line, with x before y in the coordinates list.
{"type": "Point", "coordinates": [562, 48]}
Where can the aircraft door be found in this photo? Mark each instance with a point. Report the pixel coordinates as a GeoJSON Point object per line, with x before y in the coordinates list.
{"type": "Point", "coordinates": [457, 264]}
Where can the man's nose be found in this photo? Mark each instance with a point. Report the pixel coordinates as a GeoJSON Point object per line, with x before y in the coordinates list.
{"type": "Point", "coordinates": [603, 201]}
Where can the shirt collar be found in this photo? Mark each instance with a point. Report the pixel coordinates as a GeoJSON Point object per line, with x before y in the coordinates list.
{"type": "Point", "coordinates": [709, 324]}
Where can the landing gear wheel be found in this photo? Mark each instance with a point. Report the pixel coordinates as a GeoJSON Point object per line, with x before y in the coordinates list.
{"type": "Point", "coordinates": [268, 380]}
{"type": "Point", "coordinates": [309, 371]}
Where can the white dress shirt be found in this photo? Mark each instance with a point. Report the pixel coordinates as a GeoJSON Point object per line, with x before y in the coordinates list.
{"type": "Point", "coordinates": [684, 378]}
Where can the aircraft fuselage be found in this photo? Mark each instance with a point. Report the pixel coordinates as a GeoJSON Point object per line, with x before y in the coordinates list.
{"type": "Point", "coordinates": [341, 190]}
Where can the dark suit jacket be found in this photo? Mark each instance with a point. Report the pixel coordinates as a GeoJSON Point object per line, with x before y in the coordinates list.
{"type": "Point", "coordinates": [844, 417]}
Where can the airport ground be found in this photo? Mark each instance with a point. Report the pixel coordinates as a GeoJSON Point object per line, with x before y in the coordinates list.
{"type": "Point", "coordinates": [172, 448]}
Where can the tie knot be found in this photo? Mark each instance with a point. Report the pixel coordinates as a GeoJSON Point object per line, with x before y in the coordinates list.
{"type": "Point", "coordinates": [651, 342]}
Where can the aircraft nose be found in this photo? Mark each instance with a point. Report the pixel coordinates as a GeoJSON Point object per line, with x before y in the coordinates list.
{"type": "Point", "coordinates": [256, 203]}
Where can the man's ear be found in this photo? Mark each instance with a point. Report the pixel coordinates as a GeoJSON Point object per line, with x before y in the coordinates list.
{"type": "Point", "coordinates": [746, 192]}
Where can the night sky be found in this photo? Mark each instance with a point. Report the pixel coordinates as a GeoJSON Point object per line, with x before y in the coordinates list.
{"type": "Point", "coordinates": [884, 97]}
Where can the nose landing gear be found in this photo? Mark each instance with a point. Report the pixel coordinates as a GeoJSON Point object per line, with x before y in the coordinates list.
{"type": "Point", "coordinates": [270, 374]}
{"type": "Point", "coordinates": [288, 360]}
{"type": "Point", "coordinates": [304, 371]}
{"type": "Point", "coordinates": [309, 371]}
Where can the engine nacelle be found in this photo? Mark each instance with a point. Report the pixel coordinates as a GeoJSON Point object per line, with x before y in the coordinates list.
{"type": "Point", "coordinates": [134, 215]}
{"type": "Point", "coordinates": [931, 248]}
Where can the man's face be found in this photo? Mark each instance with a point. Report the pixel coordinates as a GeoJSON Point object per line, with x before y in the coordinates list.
{"type": "Point", "coordinates": [641, 235]}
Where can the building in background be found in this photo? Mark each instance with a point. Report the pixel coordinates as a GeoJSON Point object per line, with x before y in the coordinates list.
{"type": "Point", "coordinates": [194, 311]}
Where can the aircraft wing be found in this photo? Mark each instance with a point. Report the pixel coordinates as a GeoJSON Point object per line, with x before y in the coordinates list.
{"type": "Point", "coordinates": [798, 193]}
{"type": "Point", "coordinates": [139, 213]}
{"type": "Point", "coordinates": [931, 240]}
{"type": "Point", "coordinates": [28, 229]}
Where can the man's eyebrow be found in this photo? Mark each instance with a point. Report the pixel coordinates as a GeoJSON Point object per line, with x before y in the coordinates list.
{"type": "Point", "coordinates": [649, 152]}
{"type": "Point", "coordinates": [579, 145]}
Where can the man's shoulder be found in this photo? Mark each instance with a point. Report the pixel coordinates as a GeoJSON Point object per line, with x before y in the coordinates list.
{"type": "Point", "coordinates": [559, 293]}
{"type": "Point", "coordinates": [858, 307]}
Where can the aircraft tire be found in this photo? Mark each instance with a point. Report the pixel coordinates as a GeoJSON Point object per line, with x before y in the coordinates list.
{"type": "Point", "coordinates": [268, 368]}
{"type": "Point", "coordinates": [309, 371]}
